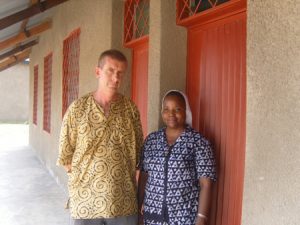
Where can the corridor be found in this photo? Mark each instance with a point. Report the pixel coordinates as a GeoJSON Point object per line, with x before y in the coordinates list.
{"type": "Point", "coordinates": [28, 193]}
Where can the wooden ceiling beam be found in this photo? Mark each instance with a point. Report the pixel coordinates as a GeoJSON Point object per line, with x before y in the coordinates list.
{"type": "Point", "coordinates": [28, 12]}
{"type": "Point", "coordinates": [25, 22]}
{"type": "Point", "coordinates": [14, 60]}
{"type": "Point", "coordinates": [18, 49]}
{"type": "Point", "coordinates": [25, 35]}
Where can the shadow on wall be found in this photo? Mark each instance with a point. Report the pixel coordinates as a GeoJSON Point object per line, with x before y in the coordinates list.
{"type": "Point", "coordinates": [14, 94]}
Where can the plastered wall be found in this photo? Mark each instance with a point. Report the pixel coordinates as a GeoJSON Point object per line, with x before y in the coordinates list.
{"type": "Point", "coordinates": [271, 189]}
{"type": "Point", "coordinates": [95, 19]}
{"type": "Point", "coordinates": [101, 25]}
{"type": "Point", "coordinates": [167, 57]}
{"type": "Point", "coordinates": [272, 178]}
{"type": "Point", "coordinates": [14, 92]}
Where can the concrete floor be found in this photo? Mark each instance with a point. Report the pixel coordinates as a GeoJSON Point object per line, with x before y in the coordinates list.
{"type": "Point", "coordinates": [28, 193]}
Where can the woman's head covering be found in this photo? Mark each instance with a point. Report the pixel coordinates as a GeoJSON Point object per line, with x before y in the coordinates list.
{"type": "Point", "coordinates": [188, 112]}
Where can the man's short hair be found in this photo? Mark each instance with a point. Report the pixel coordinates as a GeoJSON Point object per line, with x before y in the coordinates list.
{"type": "Point", "coordinates": [112, 53]}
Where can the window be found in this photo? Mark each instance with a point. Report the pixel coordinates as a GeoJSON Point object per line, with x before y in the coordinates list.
{"type": "Point", "coordinates": [188, 8]}
{"type": "Point", "coordinates": [70, 81]}
{"type": "Point", "coordinates": [35, 94]}
{"type": "Point", "coordinates": [47, 92]}
{"type": "Point", "coordinates": [136, 19]}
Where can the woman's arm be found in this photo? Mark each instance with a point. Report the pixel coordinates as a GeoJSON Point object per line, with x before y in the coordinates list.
{"type": "Point", "coordinates": [141, 189]}
{"type": "Point", "coordinates": [141, 193]}
{"type": "Point", "coordinates": [204, 200]}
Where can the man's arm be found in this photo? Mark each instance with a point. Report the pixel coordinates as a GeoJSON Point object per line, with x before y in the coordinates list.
{"type": "Point", "coordinates": [67, 141]}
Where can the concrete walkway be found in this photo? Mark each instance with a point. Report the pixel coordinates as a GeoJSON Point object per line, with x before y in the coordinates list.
{"type": "Point", "coordinates": [28, 194]}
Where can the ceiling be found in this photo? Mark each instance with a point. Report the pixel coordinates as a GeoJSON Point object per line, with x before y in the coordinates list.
{"type": "Point", "coordinates": [21, 23]}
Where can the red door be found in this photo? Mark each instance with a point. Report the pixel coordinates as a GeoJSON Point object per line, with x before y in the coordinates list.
{"type": "Point", "coordinates": [136, 30]}
{"type": "Point", "coordinates": [216, 86]}
{"type": "Point", "coordinates": [140, 78]}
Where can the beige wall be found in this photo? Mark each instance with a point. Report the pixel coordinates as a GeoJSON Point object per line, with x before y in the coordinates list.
{"type": "Point", "coordinates": [14, 92]}
{"type": "Point", "coordinates": [167, 57]}
{"type": "Point", "coordinates": [94, 18]}
{"type": "Point", "coordinates": [101, 24]}
{"type": "Point", "coordinates": [272, 178]}
{"type": "Point", "coordinates": [273, 89]}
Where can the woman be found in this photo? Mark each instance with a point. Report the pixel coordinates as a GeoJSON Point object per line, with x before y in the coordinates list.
{"type": "Point", "coordinates": [177, 167]}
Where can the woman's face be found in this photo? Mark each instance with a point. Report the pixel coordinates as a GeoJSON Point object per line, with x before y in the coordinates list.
{"type": "Point", "coordinates": [173, 112]}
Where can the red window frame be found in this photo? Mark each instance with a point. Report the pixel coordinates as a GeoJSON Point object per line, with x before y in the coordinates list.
{"type": "Point", "coordinates": [35, 93]}
{"type": "Point", "coordinates": [47, 92]}
{"type": "Point", "coordinates": [136, 20]}
{"type": "Point", "coordinates": [186, 15]}
{"type": "Point", "coordinates": [70, 82]}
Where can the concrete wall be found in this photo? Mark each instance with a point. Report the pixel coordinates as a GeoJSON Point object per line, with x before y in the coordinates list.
{"type": "Point", "coordinates": [271, 193]}
{"type": "Point", "coordinates": [14, 92]}
{"type": "Point", "coordinates": [94, 18]}
{"type": "Point", "coordinates": [167, 57]}
{"type": "Point", "coordinates": [273, 89]}
{"type": "Point", "coordinates": [101, 24]}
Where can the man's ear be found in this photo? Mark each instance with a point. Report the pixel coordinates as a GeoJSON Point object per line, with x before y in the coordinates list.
{"type": "Point", "coordinates": [97, 72]}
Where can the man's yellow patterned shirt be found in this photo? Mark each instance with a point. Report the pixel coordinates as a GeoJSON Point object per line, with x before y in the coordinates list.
{"type": "Point", "coordinates": [103, 152]}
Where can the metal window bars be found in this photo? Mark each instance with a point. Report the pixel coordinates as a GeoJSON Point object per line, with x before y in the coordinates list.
{"type": "Point", "coordinates": [47, 92]}
{"type": "Point", "coordinates": [71, 50]}
{"type": "Point", "coordinates": [189, 8]}
{"type": "Point", "coordinates": [136, 19]}
{"type": "Point", "coordinates": [35, 93]}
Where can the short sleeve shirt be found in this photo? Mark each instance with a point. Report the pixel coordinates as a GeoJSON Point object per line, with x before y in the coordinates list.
{"type": "Point", "coordinates": [172, 188]}
{"type": "Point", "coordinates": [103, 152]}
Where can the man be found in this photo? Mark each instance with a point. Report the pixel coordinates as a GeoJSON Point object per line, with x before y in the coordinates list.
{"type": "Point", "coordinates": [100, 140]}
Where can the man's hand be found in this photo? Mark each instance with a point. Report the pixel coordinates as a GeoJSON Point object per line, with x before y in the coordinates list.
{"type": "Point", "coordinates": [68, 168]}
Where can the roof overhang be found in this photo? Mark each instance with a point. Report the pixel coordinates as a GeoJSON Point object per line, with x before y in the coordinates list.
{"type": "Point", "coordinates": [21, 23]}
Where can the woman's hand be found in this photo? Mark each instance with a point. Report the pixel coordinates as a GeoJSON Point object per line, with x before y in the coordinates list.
{"type": "Point", "coordinates": [200, 221]}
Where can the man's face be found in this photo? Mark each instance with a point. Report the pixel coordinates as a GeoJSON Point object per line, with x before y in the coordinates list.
{"type": "Point", "coordinates": [111, 74]}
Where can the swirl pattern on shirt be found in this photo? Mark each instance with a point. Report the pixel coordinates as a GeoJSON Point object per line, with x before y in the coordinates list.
{"type": "Point", "coordinates": [104, 152]}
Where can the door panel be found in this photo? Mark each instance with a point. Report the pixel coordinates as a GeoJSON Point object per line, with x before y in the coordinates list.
{"type": "Point", "coordinates": [216, 86]}
{"type": "Point", "coordinates": [140, 79]}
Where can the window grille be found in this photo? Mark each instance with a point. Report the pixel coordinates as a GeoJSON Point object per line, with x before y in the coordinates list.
{"type": "Point", "coordinates": [35, 94]}
{"type": "Point", "coordinates": [189, 8]}
{"type": "Point", "coordinates": [136, 19]}
{"type": "Point", "coordinates": [71, 50]}
{"type": "Point", "coordinates": [47, 92]}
